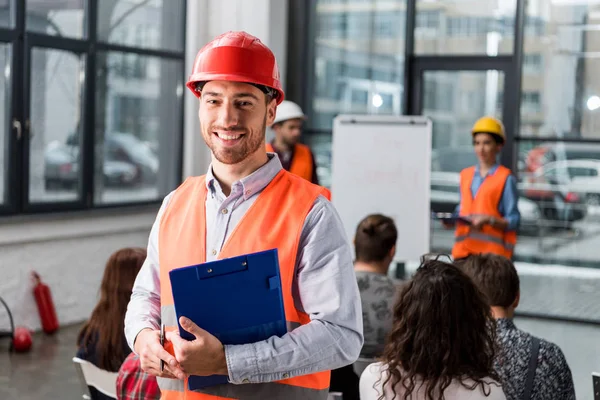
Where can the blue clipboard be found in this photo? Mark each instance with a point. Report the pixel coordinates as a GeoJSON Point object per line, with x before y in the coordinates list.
{"type": "Point", "coordinates": [238, 300]}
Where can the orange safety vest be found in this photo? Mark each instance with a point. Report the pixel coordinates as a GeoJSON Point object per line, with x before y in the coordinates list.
{"type": "Point", "coordinates": [284, 203]}
{"type": "Point", "coordinates": [488, 239]}
{"type": "Point", "coordinates": [302, 162]}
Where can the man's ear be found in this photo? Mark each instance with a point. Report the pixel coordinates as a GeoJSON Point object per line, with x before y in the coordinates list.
{"type": "Point", "coordinates": [271, 112]}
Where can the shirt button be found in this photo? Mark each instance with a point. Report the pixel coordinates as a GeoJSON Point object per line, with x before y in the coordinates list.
{"type": "Point", "coordinates": [224, 211]}
{"type": "Point", "coordinates": [246, 380]}
{"type": "Point", "coordinates": [248, 192]}
{"type": "Point", "coordinates": [214, 252]}
{"type": "Point", "coordinates": [286, 375]}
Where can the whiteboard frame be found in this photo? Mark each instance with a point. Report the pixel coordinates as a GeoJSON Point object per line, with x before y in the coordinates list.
{"type": "Point", "coordinates": [374, 120]}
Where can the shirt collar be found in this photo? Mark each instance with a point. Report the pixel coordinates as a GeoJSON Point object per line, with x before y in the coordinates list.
{"type": "Point", "coordinates": [491, 172]}
{"type": "Point", "coordinates": [253, 183]}
{"type": "Point", "coordinates": [505, 324]}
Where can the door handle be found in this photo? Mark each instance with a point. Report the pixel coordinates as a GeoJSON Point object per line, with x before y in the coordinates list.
{"type": "Point", "coordinates": [17, 125]}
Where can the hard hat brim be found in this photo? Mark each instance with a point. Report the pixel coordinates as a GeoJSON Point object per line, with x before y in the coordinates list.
{"type": "Point", "coordinates": [206, 77]}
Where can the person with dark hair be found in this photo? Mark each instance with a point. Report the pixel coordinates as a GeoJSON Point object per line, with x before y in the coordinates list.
{"type": "Point", "coordinates": [488, 209]}
{"type": "Point", "coordinates": [101, 340]}
{"type": "Point", "coordinates": [530, 368]}
{"type": "Point", "coordinates": [375, 247]}
{"type": "Point", "coordinates": [442, 343]}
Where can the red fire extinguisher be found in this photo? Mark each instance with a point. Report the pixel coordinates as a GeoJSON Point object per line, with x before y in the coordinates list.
{"type": "Point", "coordinates": [45, 305]}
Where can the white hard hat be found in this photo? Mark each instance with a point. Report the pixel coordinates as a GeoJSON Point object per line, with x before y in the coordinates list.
{"type": "Point", "coordinates": [288, 110]}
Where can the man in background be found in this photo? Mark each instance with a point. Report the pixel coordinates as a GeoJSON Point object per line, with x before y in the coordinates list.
{"type": "Point", "coordinates": [295, 157]}
{"type": "Point", "coordinates": [530, 368]}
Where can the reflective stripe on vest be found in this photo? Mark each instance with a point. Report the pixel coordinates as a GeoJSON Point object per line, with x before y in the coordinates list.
{"type": "Point", "coordinates": [302, 162]}
{"type": "Point", "coordinates": [485, 202]}
{"type": "Point", "coordinates": [182, 242]}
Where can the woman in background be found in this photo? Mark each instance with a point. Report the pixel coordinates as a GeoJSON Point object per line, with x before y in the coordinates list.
{"type": "Point", "coordinates": [441, 345]}
{"type": "Point", "coordinates": [102, 340]}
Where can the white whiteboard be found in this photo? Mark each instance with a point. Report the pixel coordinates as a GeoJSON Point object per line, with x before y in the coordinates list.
{"type": "Point", "coordinates": [381, 164]}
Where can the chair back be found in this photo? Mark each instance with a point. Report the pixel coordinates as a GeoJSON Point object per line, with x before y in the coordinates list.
{"type": "Point", "coordinates": [104, 381]}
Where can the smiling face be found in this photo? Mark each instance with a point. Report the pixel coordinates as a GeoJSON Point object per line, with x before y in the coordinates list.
{"type": "Point", "coordinates": [233, 119]}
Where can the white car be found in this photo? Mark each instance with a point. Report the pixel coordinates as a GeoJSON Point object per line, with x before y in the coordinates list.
{"type": "Point", "coordinates": [576, 176]}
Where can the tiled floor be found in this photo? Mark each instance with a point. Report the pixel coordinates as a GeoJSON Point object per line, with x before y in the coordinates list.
{"type": "Point", "coordinates": [47, 373]}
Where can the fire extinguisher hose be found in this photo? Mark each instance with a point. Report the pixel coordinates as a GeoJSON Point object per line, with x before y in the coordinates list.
{"type": "Point", "coordinates": [10, 317]}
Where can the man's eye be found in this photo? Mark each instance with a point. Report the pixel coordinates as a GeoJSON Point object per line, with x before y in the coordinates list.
{"type": "Point", "coordinates": [211, 101]}
{"type": "Point", "coordinates": [244, 103]}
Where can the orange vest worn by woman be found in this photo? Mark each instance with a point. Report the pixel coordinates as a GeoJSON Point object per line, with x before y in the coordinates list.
{"type": "Point", "coordinates": [486, 201]}
{"type": "Point", "coordinates": [284, 203]}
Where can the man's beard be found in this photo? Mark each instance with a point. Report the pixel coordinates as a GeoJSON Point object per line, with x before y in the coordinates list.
{"type": "Point", "coordinates": [250, 143]}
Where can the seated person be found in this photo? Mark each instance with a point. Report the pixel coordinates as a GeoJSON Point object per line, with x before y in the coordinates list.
{"type": "Point", "coordinates": [547, 375]}
{"type": "Point", "coordinates": [102, 341]}
{"type": "Point", "coordinates": [135, 384]}
{"type": "Point", "coordinates": [375, 246]}
{"type": "Point", "coordinates": [441, 344]}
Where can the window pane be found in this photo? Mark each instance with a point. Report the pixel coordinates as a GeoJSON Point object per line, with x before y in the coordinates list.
{"type": "Point", "coordinates": [483, 27]}
{"type": "Point", "coordinates": [5, 123]}
{"type": "Point", "coordinates": [138, 119]}
{"type": "Point", "coordinates": [154, 24]}
{"type": "Point", "coordinates": [7, 13]}
{"type": "Point", "coordinates": [454, 100]}
{"type": "Point", "coordinates": [561, 84]}
{"type": "Point", "coordinates": [56, 104]}
{"type": "Point", "coordinates": [358, 63]}
{"type": "Point", "coordinates": [56, 17]}
{"type": "Point", "coordinates": [561, 180]}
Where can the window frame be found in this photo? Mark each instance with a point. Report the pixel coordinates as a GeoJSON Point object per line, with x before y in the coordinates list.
{"type": "Point", "coordinates": [17, 164]}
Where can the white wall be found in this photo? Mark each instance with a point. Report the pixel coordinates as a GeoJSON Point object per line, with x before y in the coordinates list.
{"type": "Point", "coordinates": [69, 250]}
{"type": "Point", "coordinates": [265, 19]}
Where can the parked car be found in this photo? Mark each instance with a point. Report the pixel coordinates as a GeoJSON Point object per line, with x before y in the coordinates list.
{"type": "Point", "coordinates": [61, 169]}
{"type": "Point", "coordinates": [127, 148]}
{"type": "Point", "coordinates": [576, 176]}
{"type": "Point", "coordinates": [124, 148]}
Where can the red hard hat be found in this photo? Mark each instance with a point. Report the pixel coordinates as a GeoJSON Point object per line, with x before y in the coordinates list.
{"type": "Point", "coordinates": [238, 57]}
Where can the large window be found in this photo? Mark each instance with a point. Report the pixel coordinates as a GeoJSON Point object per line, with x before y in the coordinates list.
{"type": "Point", "coordinates": [358, 63]}
{"type": "Point", "coordinates": [465, 27]}
{"type": "Point", "coordinates": [90, 102]}
{"type": "Point", "coordinates": [466, 59]}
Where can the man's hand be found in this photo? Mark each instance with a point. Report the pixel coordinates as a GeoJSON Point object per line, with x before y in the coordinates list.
{"type": "Point", "coordinates": [203, 356]}
{"type": "Point", "coordinates": [147, 345]}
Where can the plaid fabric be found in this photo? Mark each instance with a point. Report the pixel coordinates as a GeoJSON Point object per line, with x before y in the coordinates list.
{"type": "Point", "coordinates": [135, 384]}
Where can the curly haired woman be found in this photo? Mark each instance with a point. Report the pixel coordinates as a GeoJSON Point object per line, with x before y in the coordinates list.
{"type": "Point", "coordinates": [441, 345]}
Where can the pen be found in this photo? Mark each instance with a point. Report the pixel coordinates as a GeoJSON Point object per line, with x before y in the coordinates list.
{"type": "Point", "coordinates": [162, 343]}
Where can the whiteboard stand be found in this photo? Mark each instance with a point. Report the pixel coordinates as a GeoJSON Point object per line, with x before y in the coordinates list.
{"type": "Point", "coordinates": [382, 164]}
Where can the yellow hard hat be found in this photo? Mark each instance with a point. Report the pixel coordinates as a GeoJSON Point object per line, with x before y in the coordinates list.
{"type": "Point", "coordinates": [489, 125]}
